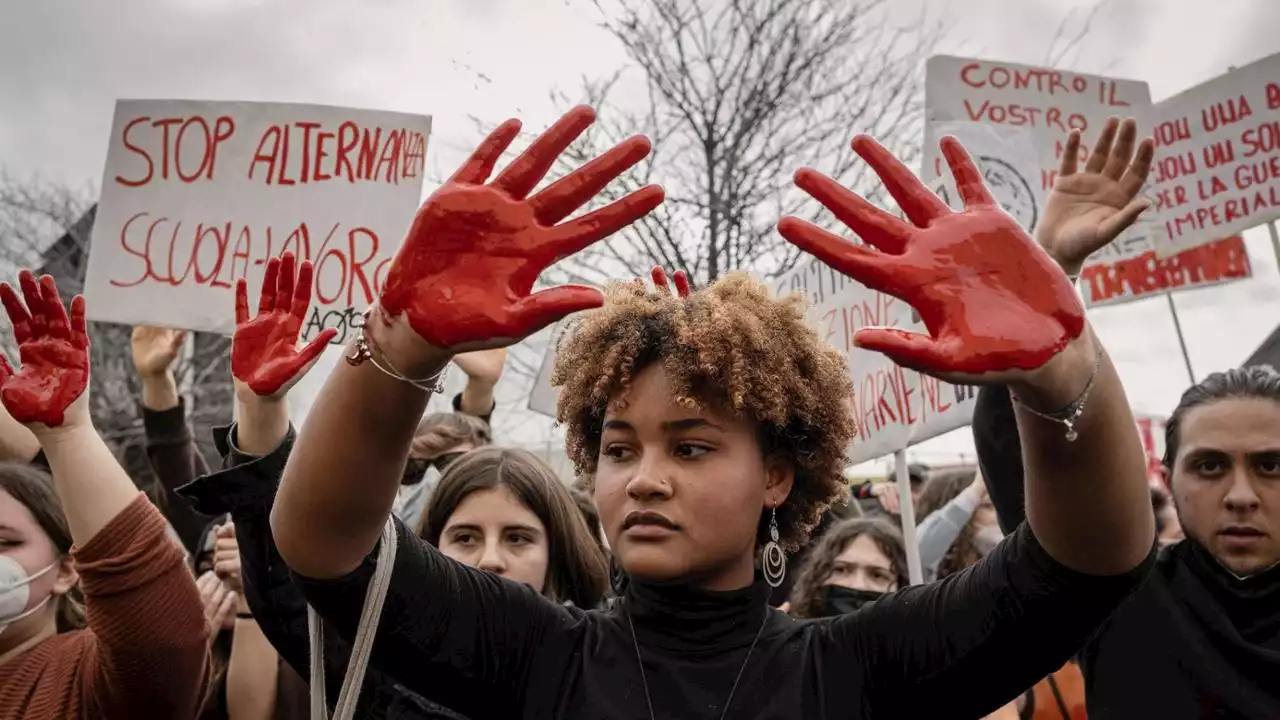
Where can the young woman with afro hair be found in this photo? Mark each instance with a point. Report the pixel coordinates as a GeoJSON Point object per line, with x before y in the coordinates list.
{"type": "Point", "coordinates": [713, 426]}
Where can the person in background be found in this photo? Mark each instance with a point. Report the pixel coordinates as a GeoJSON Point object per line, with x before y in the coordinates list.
{"type": "Point", "coordinates": [1201, 636]}
{"type": "Point", "coordinates": [143, 651]}
{"type": "Point", "coordinates": [502, 510]}
{"type": "Point", "coordinates": [171, 447]}
{"type": "Point", "coordinates": [714, 429]}
{"type": "Point", "coordinates": [441, 438]}
{"type": "Point", "coordinates": [856, 562]}
{"type": "Point", "coordinates": [957, 523]}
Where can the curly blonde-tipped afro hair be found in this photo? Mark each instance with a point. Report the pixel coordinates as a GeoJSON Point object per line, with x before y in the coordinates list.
{"type": "Point", "coordinates": [731, 346]}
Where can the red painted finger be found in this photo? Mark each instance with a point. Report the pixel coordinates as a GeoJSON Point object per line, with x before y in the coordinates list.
{"type": "Point", "coordinates": [875, 226]}
{"type": "Point", "coordinates": [544, 308]}
{"type": "Point", "coordinates": [973, 191]}
{"type": "Point", "coordinates": [18, 316]}
{"type": "Point", "coordinates": [908, 349]}
{"type": "Point", "coordinates": [1070, 154]}
{"type": "Point", "coordinates": [267, 297]}
{"type": "Point", "coordinates": [55, 311]}
{"type": "Point", "coordinates": [564, 196]}
{"type": "Point", "coordinates": [313, 349]}
{"type": "Point", "coordinates": [79, 325]}
{"type": "Point", "coordinates": [1122, 152]}
{"type": "Point", "coordinates": [917, 201]}
{"type": "Point", "coordinates": [581, 233]}
{"type": "Point", "coordinates": [284, 283]}
{"type": "Point", "coordinates": [868, 267]}
{"type": "Point", "coordinates": [242, 302]}
{"type": "Point", "coordinates": [479, 166]}
{"type": "Point", "coordinates": [35, 303]}
{"type": "Point", "coordinates": [520, 177]}
{"type": "Point", "coordinates": [302, 291]}
{"type": "Point", "coordinates": [1102, 150]}
{"type": "Point", "coordinates": [659, 278]}
{"type": "Point", "coordinates": [1136, 176]}
{"type": "Point", "coordinates": [682, 284]}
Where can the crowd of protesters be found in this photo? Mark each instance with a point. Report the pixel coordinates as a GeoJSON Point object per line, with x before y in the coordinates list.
{"type": "Point", "coordinates": [709, 560]}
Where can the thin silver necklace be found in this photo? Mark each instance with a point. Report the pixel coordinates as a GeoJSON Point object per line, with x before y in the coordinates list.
{"type": "Point", "coordinates": [648, 699]}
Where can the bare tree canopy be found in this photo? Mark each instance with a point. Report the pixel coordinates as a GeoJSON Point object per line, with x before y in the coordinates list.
{"type": "Point", "coordinates": [740, 93]}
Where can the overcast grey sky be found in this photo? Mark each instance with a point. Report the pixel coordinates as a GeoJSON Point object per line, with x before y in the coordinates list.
{"type": "Point", "coordinates": [63, 64]}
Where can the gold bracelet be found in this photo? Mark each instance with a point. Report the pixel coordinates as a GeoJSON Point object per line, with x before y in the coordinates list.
{"type": "Point", "coordinates": [366, 349]}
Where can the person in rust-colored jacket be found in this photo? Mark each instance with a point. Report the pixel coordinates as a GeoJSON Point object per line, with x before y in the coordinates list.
{"type": "Point", "coordinates": [140, 648]}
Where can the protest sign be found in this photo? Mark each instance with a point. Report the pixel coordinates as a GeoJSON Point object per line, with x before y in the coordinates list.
{"type": "Point", "coordinates": [894, 407]}
{"type": "Point", "coordinates": [1217, 169]}
{"type": "Point", "coordinates": [198, 194]}
{"type": "Point", "coordinates": [1025, 112]}
{"type": "Point", "coordinates": [542, 397]}
{"type": "Point", "coordinates": [1106, 281]}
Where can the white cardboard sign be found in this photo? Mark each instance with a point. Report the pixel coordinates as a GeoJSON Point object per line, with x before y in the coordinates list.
{"type": "Point", "coordinates": [1028, 112]}
{"type": "Point", "coordinates": [198, 194]}
{"type": "Point", "coordinates": [895, 408]}
{"type": "Point", "coordinates": [1217, 169]}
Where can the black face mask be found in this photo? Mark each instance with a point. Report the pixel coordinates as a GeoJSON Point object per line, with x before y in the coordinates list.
{"type": "Point", "coordinates": [840, 600]}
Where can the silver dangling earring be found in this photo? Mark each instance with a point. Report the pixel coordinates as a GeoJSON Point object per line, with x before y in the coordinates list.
{"type": "Point", "coordinates": [773, 561]}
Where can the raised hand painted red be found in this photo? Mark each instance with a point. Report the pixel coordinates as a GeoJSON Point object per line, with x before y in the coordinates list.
{"type": "Point", "coordinates": [990, 297]}
{"type": "Point", "coordinates": [264, 350]}
{"type": "Point", "coordinates": [660, 280]}
{"type": "Point", "coordinates": [53, 348]}
{"type": "Point", "coordinates": [464, 274]}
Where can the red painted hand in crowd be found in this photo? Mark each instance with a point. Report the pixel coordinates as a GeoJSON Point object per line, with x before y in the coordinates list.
{"type": "Point", "coordinates": [264, 350]}
{"type": "Point", "coordinates": [464, 276]}
{"type": "Point", "coordinates": [681, 281]}
{"type": "Point", "coordinates": [991, 298]}
{"type": "Point", "coordinates": [49, 388]}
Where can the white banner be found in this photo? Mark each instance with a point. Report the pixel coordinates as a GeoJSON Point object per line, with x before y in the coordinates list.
{"type": "Point", "coordinates": [1028, 109]}
{"type": "Point", "coordinates": [1217, 168]}
{"type": "Point", "coordinates": [197, 194]}
{"type": "Point", "coordinates": [894, 407]}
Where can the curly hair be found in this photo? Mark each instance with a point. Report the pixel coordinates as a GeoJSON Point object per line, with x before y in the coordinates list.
{"type": "Point", "coordinates": [730, 345]}
{"type": "Point", "coordinates": [806, 596]}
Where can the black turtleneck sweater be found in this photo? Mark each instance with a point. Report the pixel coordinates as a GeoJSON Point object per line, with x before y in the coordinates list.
{"type": "Point", "coordinates": [1193, 642]}
{"type": "Point", "coordinates": [491, 648]}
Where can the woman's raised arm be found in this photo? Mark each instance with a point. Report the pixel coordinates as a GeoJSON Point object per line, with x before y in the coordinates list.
{"type": "Point", "coordinates": [462, 281]}
{"type": "Point", "coordinates": [1000, 311]}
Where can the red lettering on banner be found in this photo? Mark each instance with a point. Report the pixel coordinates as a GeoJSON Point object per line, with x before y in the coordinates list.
{"type": "Point", "coordinates": [189, 153]}
{"type": "Point", "coordinates": [1019, 115]}
{"type": "Point", "coordinates": [1226, 259]}
{"type": "Point", "coordinates": [206, 254]}
{"type": "Point", "coordinates": [365, 154]}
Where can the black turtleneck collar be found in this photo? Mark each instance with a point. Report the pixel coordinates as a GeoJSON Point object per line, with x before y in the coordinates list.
{"type": "Point", "coordinates": [1250, 603]}
{"type": "Point", "coordinates": [682, 619]}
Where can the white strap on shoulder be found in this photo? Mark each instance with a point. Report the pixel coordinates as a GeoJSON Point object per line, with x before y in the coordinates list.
{"type": "Point", "coordinates": [365, 633]}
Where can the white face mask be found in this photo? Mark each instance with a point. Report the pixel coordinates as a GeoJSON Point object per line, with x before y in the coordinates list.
{"type": "Point", "coordinates": [15, 591]}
